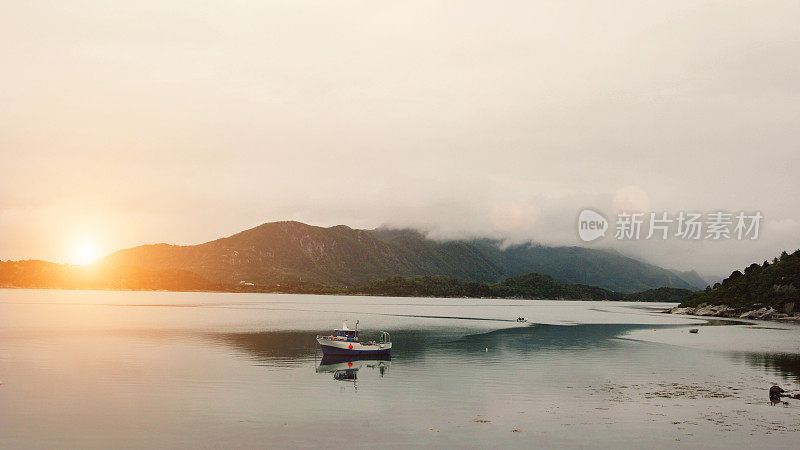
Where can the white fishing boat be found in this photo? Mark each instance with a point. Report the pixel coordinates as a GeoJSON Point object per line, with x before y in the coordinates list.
{"type": "Point", "coordinates": [345, 341]}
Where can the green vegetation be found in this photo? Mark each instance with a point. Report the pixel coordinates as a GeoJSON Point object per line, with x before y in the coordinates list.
{"type": "Point", "coordinates": [432, 286]}
{"type": "Point", "coordinates": [293, 253]}
{"type": "Point", "coordinates": [662, 294]}
{"type": "Point", "coordinates": [529, 286]}
{"type": "Point", "coordinates": [41, 274]}
{"type": "Point", "coordinates": [768, 284]}
{"type": "Point", "coordinates": [579, 265]}
{"type": "Point", "coordinates": [534, 285]}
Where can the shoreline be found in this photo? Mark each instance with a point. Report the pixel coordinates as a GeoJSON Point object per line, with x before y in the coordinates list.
{"type": "Point", "coordinates": [725, 311]}
{"type": "Point", "coordinates": [346, 294]}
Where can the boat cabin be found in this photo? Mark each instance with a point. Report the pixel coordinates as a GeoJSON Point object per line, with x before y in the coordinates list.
{"type": "Point", "coordinates": [346, 334]}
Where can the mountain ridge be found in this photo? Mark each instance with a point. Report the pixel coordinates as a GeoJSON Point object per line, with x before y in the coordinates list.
{"type": "Point", "coordinates": [286, 252]}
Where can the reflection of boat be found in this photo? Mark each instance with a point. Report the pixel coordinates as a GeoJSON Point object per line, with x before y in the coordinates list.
{"type": "Point", "coordinates": [346, 375]}
{"type": "Point", "coordinates": [346, 368]}
{"type": "Point", "coordinates": [345, 341]}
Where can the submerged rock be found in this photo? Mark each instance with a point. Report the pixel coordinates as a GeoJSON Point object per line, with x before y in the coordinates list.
{"type": "Point", "coordinates": [767, 314]}
{"type": "Point", "coordinates": [679, 310]}
{"type": "Point", "coordinates": [748, 315]}
{"type": "Point", "coordinates": [764, 313]}
{"type": "Point", "coordinates": [716, 310]}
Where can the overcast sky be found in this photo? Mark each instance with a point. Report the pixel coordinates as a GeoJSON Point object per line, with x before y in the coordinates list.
{"type": "Point", "coordinates": [131, 122]}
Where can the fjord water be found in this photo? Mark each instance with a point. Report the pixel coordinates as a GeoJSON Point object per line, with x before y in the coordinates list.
{"type": "Point", "coordinates": [165, 369]}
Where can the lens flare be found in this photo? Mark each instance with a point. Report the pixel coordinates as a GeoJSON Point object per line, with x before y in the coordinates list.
{"type": "Point", "coordinates": [84, 253]}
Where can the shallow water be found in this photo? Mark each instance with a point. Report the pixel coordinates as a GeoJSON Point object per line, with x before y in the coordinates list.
{"type": "Point", "coordinates": [159, 369]}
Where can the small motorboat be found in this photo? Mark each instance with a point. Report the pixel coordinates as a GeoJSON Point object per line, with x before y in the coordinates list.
{"type": "Point", "coordinates": [521, 320]}
{"type": "Point", "coordinates": [694, 330]}
{"type": "Point", "coordinates": [345, 341]}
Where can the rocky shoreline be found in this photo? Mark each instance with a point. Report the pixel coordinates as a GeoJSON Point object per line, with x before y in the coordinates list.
{"type": "Point", "coordinates": [764, 313]}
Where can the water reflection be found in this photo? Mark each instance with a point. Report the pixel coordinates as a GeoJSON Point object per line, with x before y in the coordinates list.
{"type": "Point", "coordinates": [543, 337]}
{"type": "Point", "coordinates": [347, 368]}
{"type": "Point", "coordinates": [291, 348]}
{"type": "Point", "coordinates": [271, 347]}
{"type": "Point", "coordinates": [282, 347]}
{"type": "Point", "coordinates": [785, 364]}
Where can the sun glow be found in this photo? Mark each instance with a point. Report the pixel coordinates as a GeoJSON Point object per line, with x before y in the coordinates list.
{"type": "Point", "coordinates": [84, 253]}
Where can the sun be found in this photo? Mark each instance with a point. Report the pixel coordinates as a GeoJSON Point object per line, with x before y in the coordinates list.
{"type": "Point", "coordinates": [84, 253]}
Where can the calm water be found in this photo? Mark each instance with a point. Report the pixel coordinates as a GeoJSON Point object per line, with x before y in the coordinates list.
{"type": "Point", "coordinates": [159, 369]}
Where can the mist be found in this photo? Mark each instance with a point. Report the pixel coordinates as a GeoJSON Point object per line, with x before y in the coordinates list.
{"type": "Point", "coordinates": [137, 122]}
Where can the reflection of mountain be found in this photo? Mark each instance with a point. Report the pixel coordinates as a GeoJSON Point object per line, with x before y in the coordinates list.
{"type": "Point", "coordinates": [786, 364]}
{"type": "Point", "coordinates": [271, 347]}
{"type": "Point", "coordinates": [280, 347]}
{"type": "Point", "coordinates": [542, 337]}
{"type": "Point", "coordinates": [284, 348]}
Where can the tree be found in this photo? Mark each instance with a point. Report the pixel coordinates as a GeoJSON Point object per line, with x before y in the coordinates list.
{"type": "Point", "coordinates": [752, 268]}
{"type": "Point", "coordinates": [734, 275]}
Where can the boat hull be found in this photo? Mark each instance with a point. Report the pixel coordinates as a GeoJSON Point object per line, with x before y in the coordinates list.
{"type": "Point", "coordinates": [327, 350]}
{"type": "Point", "coordinates": [345, 348]}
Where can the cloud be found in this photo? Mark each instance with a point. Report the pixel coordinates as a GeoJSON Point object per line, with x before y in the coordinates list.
{"type": "Point", "coordinates": [631, 199]}
{"type": "Point", "coordinates": [182, 123]}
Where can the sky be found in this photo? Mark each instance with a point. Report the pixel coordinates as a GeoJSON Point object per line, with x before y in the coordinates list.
{"type": "Point", "coordinates": [132, 122]}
